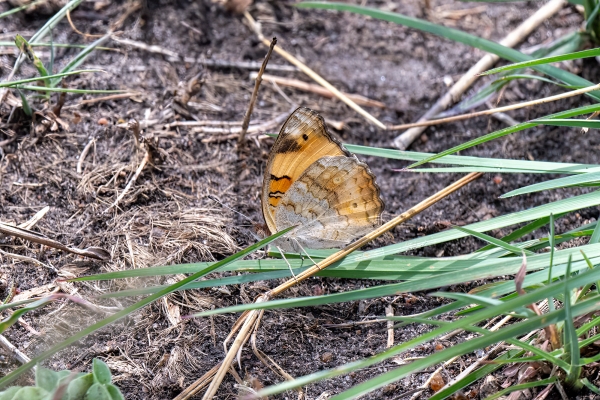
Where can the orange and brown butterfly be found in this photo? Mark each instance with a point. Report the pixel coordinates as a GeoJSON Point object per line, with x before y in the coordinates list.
{"type": "Point", "coordinates": [311, 181]}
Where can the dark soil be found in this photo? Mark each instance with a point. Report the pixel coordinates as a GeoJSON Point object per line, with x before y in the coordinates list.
{"type": "Point", "coordinates": [202, 202]}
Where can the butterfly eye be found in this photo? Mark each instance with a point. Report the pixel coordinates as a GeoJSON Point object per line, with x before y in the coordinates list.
{"type": "Point", "coordinates": [354, 205]}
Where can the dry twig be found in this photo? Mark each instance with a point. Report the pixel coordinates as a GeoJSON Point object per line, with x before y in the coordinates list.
{"type": "Point", "coordinates": [405, 139]}
{"type": "Point", "coordinates": [500, 109]}
{"type": "Point", "coordinates": [92, 252]}
{"type": "Point", "coordinates": [255, 93]}
{"type": "Point", "coordinates": [320, 90]}
{"type": "Point", "coordinates": [312, 74]}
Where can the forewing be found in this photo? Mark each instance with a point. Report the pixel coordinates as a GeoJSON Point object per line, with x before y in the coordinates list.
{"type": "Point", "coordinates": [303, 139]}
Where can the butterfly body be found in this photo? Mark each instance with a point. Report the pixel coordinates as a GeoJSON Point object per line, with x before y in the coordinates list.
{"type": "Point", "coordinates": [312, 182]}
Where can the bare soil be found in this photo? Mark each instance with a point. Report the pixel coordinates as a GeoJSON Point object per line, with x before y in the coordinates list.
{"type": "Point", "coordinates": [201, 203]}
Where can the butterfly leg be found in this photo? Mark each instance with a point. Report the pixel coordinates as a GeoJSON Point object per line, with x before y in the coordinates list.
{"type": "Point", "coordinates": [305, 252]}
{"type": "Point", "coordinates": [287, 262]}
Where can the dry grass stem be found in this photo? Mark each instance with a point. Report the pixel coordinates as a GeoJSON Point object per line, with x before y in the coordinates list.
{"type": "Point", "coordinates": [251, 317]}
{"type": "Point", "coordinates": [92, 252]}
{"type": "Point", "coordinates": [28, 259]}
{"type": "Point", "coordinates": [389, 312]}
{"type": "Point", "coordinates": [83, 155]}
{"type": "Point", "coordinates": [198, 385]}
{"type": "Point", "coordinates": [138, 171]}
{"type": "Point", "coordinates": [255, 94]}
{"type": "Point", "coordinates": [86, 35]}
{"type": "Point", "coordinates": [104, 98]}
{"type": "Point", "coordinates": [14, 351]}
{"type": "Point", "coordinates": [546, 11]}
{"type": "Point", "coordinates": [320, 90]}
{"type": "Point", "coordinates": [499, 109]}
{"type": "Point", "coordinates": [209, 62]}
{"type": "Point", "coordinates": [312, 74]}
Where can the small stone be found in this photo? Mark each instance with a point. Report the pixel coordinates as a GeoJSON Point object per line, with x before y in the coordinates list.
{"type": "Point", "coordinates": [327, 357]}
{"type": "Point", "coordinates": [437, 382]}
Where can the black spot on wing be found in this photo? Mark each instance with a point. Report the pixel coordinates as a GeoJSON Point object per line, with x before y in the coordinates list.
{"type": "Point", "coordinates": [289, 146]}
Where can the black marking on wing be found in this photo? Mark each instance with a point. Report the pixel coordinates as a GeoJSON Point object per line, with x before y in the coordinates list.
{"type": "Point", "coordinates": [278, 194]}
{"type": "Point", "coordinates": [278, 178]}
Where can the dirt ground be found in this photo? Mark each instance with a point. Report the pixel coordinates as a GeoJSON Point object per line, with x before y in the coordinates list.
{"type": "Point", "coordinates": [202, 202]}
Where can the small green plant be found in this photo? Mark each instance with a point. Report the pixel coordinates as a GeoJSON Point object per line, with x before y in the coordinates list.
{"type": "Point", "coordinates": [67, 385]}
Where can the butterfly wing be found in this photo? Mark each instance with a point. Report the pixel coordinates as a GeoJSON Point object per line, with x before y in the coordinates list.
{"type": "Point", "coordinates": [334, 201]}
{"type": "Point", "coordinates": [303, 139]}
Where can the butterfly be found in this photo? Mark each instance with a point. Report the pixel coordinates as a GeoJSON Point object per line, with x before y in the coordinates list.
{"type": "Point", "coordinates": [312, 182]}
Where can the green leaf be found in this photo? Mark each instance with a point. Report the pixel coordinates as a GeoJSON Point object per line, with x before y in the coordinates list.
{"type": "Point", "coordinates": [46, 378]}
{"type": "Point", "coordinates": [9, 393]}
{"type": "Point", "coordinates": [79, 386]}
{"type": "Point", "coordinates": [98, 391]}
{"type": "Point", "coordinates": [26, 48]}
{"type": "Point", "coordinates": [31, 393]}
{"type": "Point", "coordinates": [114, 392]}
{"type": "Point", "coordinates": [100, 371]}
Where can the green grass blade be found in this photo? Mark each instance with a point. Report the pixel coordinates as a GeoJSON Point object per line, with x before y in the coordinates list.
{"type": "Point", "coordinates": [485, 269]}
{"type": "Point", "coordinates": [570, 337]}
{"type": "Point", "coordinates": [56, 18]}
{"type": "Point", "coordinates": [519, 233]}
{"type": "Point", "coordinates": [509, 130]}
{"type": "Point", "coordinates": [496, 242]}
{"type": "Point", "coordinates": [495, 164]}
{"type": "Point", "coordinates": [474, 376]}
{"type": "Point", "coordinates": [28, 80]}
{"type": "Point", "coordinates": [66, 90]}
{"type": "Point", "coordinates": [25, 104]}
{"type": "Point", "coordinates": [522, 386]}
{"type": "Point", "coordinates": [21, 8]}
{"type": "Point", "coordinates": [134, 307]}
{"type": "Point", "coordinates": [14, 317]}
{"type": "Point", "coordinates": [577, 123]}
{"type": "Point", "coordinates": [80, 58]}
{"type": "Point", "coordinates": [546, 60]}
{"type": "Point", "coordinates": [555, 184]}
{"type": "Point", "coordinates": [65, 45]}
{"type": "Point", "coordinates": [552, 241]}
{"type": "Point", "coordinates": [462, 348]}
